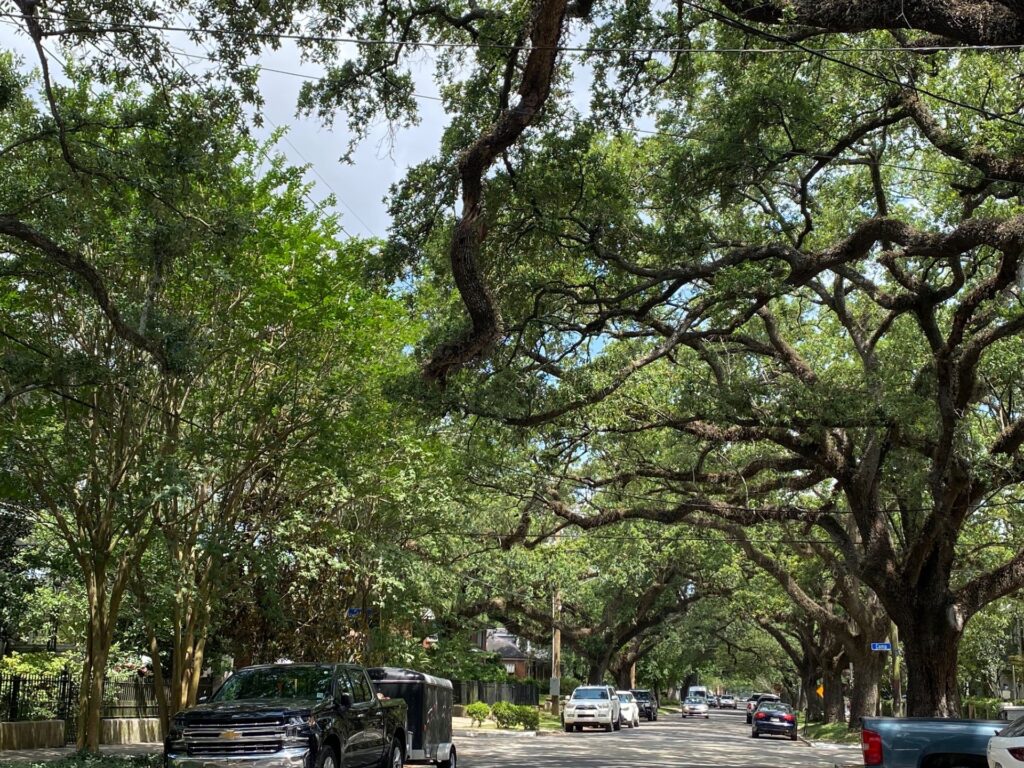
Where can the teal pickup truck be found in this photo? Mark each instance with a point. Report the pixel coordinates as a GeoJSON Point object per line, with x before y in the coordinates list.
{"type": "Point", "coordinates": [921, 742]}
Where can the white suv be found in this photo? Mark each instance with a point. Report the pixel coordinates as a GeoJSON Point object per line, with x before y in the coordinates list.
{"type": "Point", "coordinates": [592, 705]}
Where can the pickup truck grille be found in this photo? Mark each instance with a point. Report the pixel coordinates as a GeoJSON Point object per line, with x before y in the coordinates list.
{"type": "Point", "coordinates": [262, 737]}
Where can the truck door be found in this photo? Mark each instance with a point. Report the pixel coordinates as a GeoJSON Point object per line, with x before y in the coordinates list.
{"type": "Point", "coordinates": [354, 753]}
{"type": "Point", "coordinates": [367, 718]}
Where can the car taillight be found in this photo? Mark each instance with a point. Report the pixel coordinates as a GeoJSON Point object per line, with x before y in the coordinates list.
{"type": "Point", "coordinates": [871, 743]}
{"type": "Point", "coordinates": [760, 716]}
{"type": "Point", "coordinates": [789, 718]}
{"type": "Point", "coordinates": [1017, 753]}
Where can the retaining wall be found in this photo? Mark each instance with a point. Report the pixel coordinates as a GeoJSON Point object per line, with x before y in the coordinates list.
{"type": "Point", "coordinates": [32, 734]}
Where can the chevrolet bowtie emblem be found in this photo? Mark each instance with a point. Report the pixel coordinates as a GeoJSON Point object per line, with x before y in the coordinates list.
{"type": "Point", "coordinates": [230, 735]}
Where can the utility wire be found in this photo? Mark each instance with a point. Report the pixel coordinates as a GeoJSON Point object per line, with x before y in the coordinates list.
{"type": "Point", "coordinates": [648, 132]}
{"type": "Point", "coordinates": [91, 25]}
{"type": "Point", "coordinates": [826, 55]}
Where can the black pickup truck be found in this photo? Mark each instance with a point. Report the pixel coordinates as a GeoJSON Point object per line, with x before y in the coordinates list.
{"type": "Point", "coordinates": [291, 716]}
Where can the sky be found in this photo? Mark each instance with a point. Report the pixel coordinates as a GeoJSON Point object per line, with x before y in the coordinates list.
{"type": "Point", "coordinates": [379, 161]}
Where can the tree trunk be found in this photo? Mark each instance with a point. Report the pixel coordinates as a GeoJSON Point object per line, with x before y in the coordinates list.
{"type": "Point", "coordinates": [597, 670]}
{"type": "Point", "coordinates": [834, 706]}
{"type": "Point", "coordinates": [159, 691]}
{"type": "Point", "coordinates": [101, 614]}
{"type": "Point", "coordinates": [813, 703]}
{"type": "Point", "coordinates": [932, 644]}
{"type": "Point", "coordinates": [868, 667]}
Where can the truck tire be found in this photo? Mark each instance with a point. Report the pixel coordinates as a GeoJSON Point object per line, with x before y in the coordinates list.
{"type": "Point", "coordinates": [326, 757]}
{"type": "Point", "coordinates": [393, 757]}
{"type": "Point", "coordinates": [608, 727]}
{"type": "Point", "coordinates": [568, 727]}
{"type": "Point", "coordinates": [450, 762]}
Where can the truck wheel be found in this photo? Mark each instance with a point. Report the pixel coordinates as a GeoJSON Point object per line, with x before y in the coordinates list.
{"type": "Point", "coordinates": [617, 725]}
{"type": "Point", "coordinates": [326, 758]}
{"type": "Point", "coordinates": [608, 728]}
{"type": "Point", "coordinates": [393, 758]}
{"type": "Point", "coordinates": [568, 727]}
{"type": "Point", "coordinates": [450, 762]}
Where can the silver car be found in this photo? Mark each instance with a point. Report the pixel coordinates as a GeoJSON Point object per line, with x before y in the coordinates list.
{"type": "Point", "coordinates": [695, 707]}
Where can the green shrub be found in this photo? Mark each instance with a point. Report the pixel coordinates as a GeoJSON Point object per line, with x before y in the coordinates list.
{"type": "Point", "coordinates": [569, 684]}
{"type": "Point", "coordinates": [982, 708]}
{"type": "Point", "coordinates": [478, 711]}
{"type": "Point", "coordinates": [505, 715]}
{"type": "Point", "coordinates": [529, 717]}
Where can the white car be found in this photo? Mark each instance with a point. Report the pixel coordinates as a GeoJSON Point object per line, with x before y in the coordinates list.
{"type": "Point", "coordinates": [592, 705]}
{"type": "Point", "coordinates": [1006, 748]}
{"type": "Point", "coordinates": [695, 707]}
{"type": "Point", "coordinates": [629, 710]}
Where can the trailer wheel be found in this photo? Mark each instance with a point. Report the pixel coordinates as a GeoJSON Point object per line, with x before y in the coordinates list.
{"type": "Point", "coordinates": [450, 762]}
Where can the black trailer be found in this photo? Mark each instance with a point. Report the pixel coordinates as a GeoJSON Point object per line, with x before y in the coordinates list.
{"type": "Point", "coordinates": [429, 700]}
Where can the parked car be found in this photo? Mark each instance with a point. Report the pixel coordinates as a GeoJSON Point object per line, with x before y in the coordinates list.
{"type": "Point", "coordinates": [592, 705]}
{"type": "Point", "coordinates": [753, 702]}
{"type": "Point", "coordinates": [774, 718]}
{"type": "Point", "coordinates": [629, 712]}
{"type": "Point", "coordinates": [291, 715]}
{"type": "Point", "coordinates": [695, 707]}
{"type": "Point", "coordinates": [1006, 748]}
{"type": "Point", "coordinates": [727, 701]}
{"type": "Point", "coordinates": [912, 742]}
{"type": "Point", "coordinates": [713, 701]}
{"type": "Point", "coordinates": [647, 702]}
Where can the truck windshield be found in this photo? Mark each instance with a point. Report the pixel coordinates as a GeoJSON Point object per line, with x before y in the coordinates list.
{"type": "Point", "coordinates": [298, 682]}
{"type": "Point", "coordinates": [590, 693]}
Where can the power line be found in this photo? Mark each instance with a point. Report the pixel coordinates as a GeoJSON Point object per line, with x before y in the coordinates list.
{"type": "Point", "coordinates": [649, 132]}
{"type": "Point", "coordinates": [91, 25]}
{"type": "Point", "coordinates": [826, 55]}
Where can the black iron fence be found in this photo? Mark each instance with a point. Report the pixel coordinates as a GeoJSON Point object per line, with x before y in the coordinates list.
{"type": "Point", "coordinates": [468, 691]}
{"type": "Point", "coordinates": [43, 697]}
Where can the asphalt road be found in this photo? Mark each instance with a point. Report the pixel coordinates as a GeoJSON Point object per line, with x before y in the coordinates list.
{"type": "Point", "coordinates": [722, 741]}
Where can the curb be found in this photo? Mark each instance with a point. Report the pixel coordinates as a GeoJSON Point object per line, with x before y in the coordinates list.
{"type": "Point", "coordinates": [493, 734]}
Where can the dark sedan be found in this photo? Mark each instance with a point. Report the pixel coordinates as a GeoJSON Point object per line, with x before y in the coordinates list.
{"type": "Point", "coordinates": [646, 703]}
{"type": "Point", "coordinates": [773, 718]}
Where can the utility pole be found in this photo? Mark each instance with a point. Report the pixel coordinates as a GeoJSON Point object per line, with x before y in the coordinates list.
{"type": "Point", "coordinates": [556, 650]}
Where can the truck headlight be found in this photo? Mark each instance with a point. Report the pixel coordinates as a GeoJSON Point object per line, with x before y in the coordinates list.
{"type": "Point", "coordinates": [176, 733]}
{"type": "Point", "coordinates": [299, 730]}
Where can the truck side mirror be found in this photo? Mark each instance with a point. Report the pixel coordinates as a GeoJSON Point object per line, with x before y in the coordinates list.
{"type": "Point", "coordinates": [344, 700]}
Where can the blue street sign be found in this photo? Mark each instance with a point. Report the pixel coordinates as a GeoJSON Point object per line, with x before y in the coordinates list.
{"type": "Point", "coordinates": [881, 646]}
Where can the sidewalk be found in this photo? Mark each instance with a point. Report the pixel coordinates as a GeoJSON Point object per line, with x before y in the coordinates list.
{"type": "Point", "coordinates": [55, 753]}
{"type": "Point", "coordinates": [463, 728]}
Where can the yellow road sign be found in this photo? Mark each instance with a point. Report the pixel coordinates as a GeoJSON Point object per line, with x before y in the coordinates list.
{"type": "Point", "coordinates": [821, 690]}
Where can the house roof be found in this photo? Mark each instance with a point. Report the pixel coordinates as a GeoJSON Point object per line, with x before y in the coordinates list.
{"type": "Point", "coordinates": [505, 648]}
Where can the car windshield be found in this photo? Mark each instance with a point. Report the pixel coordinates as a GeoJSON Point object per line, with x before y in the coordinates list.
{"type": "Point", "coordinates": [297, 682]}
{"type": "Point", "coordinates": [774, 706]}
{"type": "Point", "coordinates": [626, 697]}
{"type": "Point", "coordinates": [590, 693]}
{"type": "Point", "coordinates": [694, 700]}
{"type": "Point", "coordinates": [642, 695]}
